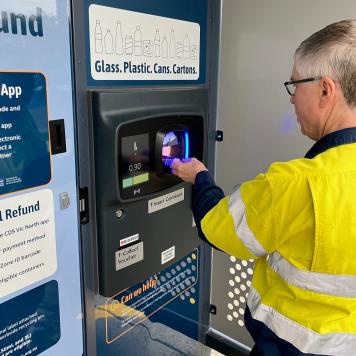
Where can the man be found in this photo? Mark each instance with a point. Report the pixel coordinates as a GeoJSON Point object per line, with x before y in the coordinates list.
{"type": "Point", "coordinates": [298, 220]}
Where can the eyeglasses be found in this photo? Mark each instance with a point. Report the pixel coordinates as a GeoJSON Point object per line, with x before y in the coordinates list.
{"type": "Point", "coordinates": [290, 86]}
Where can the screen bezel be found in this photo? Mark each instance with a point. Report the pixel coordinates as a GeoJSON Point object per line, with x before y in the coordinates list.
{"type": "Point", "coordinates": [159, 180]}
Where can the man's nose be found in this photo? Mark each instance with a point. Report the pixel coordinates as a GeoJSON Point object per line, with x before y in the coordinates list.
{"type": "Point", "coordinates": [292, 99]}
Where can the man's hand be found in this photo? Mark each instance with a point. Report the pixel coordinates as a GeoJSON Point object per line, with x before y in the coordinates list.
{"type": "Point", "coordinates": [187, 169]}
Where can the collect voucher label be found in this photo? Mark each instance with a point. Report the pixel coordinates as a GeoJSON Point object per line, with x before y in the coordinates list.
{"type": "Point", "coordinates": [27, 240]}
{"type": "Point", "coordinates": [24, 139]}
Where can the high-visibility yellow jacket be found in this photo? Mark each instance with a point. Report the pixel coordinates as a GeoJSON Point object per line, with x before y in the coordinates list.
{"type": "Point", "coordinates": [298, 221]}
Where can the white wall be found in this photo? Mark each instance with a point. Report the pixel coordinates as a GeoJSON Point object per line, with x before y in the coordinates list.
{"type": "Point", "coordinates": [258, 41]}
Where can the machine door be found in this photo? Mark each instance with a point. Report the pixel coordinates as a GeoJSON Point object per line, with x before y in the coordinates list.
{"type": "Point", "coordinates": [40, 284]}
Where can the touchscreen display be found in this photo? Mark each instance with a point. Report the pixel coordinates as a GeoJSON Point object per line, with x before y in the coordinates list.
{"type": "Point", "coordinates": [135, 160]}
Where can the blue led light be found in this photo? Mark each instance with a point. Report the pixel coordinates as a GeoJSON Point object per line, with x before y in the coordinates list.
{"type": "Point", "coordinates": [186, 137]}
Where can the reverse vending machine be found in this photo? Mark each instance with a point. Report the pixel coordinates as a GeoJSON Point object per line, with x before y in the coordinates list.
{"type": "Point", "coordinates": [99, 249]}
{"type": "Point", "coordinates": [146, 94]}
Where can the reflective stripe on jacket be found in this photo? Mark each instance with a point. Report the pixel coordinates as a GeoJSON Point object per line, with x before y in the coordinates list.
{"type": "Point", "coordinates": [299, 222]}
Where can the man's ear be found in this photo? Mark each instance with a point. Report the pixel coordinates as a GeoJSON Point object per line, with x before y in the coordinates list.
{"type": "Point", "coordinates": [328, 91]}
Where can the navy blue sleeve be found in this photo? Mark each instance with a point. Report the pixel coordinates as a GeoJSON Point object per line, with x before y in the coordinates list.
{"type": "Point", "coordinates": [206, 194]}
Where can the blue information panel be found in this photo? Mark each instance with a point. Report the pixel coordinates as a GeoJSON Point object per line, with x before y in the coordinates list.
{"type": "Point", "coordinates": [29, 323]}
{"type": "Point", "coordinates": [24, 144]}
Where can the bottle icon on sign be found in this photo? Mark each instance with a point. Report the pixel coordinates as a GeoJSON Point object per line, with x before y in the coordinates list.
{"type": "Point", "coordinates": [186, 47]}
{"type": "Point", "coordinates": [157, 43]}
{"type": "Point", "coordinates": [98, 35]}
{"type": "Point", "coordinates": [109, 42]}
{"type": "Point", "coordinates": [164, 49]}
{"type": "Point", "coordinates": [119, 42]}
{"type": "Point", "coordinates": [138, 41]}
{"type": "Point", "coordinates": [172, 45]}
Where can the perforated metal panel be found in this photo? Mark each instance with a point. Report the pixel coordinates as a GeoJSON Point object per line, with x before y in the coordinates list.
{"type": "Point", "coordinates": [240, 275]}
{"type": "Point", "coordinates": [231, 281]}
{"type": "Point", "coordinates": [180, 280]}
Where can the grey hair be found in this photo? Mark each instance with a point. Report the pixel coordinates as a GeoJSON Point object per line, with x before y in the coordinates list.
{"type": "Point", "coordinates": [331, 52]}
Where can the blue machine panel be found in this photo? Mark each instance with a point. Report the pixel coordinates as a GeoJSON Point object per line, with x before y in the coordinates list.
{"type": "Point", "coordinates": [29, 323]}
{"type": "Point", "coordinates": [159, 314]}
{"type": "Point", "coordinates": [38, 226]}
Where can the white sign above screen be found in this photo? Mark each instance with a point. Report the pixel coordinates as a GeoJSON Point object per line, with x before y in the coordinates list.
{"type": "Point", "coordinates": [127, 45]}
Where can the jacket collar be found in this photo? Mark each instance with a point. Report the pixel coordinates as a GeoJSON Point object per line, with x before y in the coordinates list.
{"type": "Point", "coordinates": [333, 139]}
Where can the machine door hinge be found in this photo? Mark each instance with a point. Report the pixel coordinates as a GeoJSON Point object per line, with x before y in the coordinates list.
{"type": "Point", "coordinates": [213, 309]}
{"type": "Point", "coordinates": [219, 135]}
{"type": "Point", "coordinates": [83, 205]}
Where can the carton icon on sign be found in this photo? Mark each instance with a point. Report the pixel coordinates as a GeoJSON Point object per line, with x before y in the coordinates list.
{"type": "Point", "coordinates": [147, 48]}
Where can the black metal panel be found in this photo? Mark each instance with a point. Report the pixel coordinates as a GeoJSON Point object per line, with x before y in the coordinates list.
{"type": "Point", "coordinates": [121, 114]}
